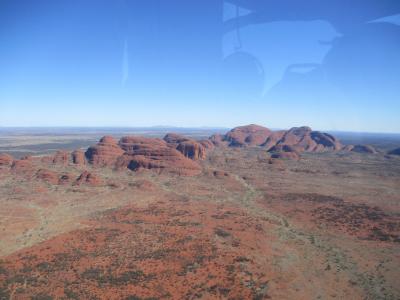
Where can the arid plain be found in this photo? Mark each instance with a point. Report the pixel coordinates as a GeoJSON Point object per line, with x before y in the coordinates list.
{"type": "Point", "coordinates": [247, 214]}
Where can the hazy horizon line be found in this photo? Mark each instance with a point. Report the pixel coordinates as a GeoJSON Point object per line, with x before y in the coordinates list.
{"type": "Point", "coordinates": [189, 127]}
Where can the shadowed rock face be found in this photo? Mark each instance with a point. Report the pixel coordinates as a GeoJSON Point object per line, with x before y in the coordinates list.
{"type": "Point", "coordinates": [361, 149]}
{"type": "Point", "coordinates": [5, 159]}
{"type": "Point", "coordinates": [286, 155]}
{"type": "Point", "coordinates": [78, 157]}
{"type": "Point", "coordinates": [192, 149]}
{"type": "Point", "coordinates": [273, 139]}
{"type": "Point", "coordinates": [304, 139]}
{"type": "Point", "coordinates": [394, 151]}
{"type": "Point", "coordinates": [188, 147]}
{"type": "Point", "coordinates": [282, 148]}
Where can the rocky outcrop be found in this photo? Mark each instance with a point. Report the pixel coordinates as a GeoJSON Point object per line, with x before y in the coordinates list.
{"type": "Point", "coordinates": [273, 139]}
{"type": "Point", "coordinates": [78, 157]}
{"type": "Point", "coordinates": [284, 152]}
{"type": "Point", "coordinates": [192, 150]}
{"type": "Point", "coordinates": [361, 149]}
{"type": "Point", "coordinates": [6, 159]}
{"type": "Point", "coordinates": [87, 178]}
{"type": "Point", "coordinates": [250, 135]}
{"type": "Point", "coordinates": [142, 146]}
{"type": "Point", "coordinates": [61, 157]}
{"type": "Point", "coordinates": [282, 148]}
{"type": "Point", "coordinates": [175, 153]}
{"type": "Point", "coordinates": [174, 139]}
{"type": "Point", "coordinates": [300, 138]}
{"type": "Point", "coordinates": [150, 153]}
{"type": "Point", "coordinates": [188, 147]}
{"type": "Point", "coordinates": [304, 139]}
{"type": "Point", "coordinates": [105, 153]}
{"type": "Point", "coordinates": [22, 167]}
{"type": "Point", "coordinates": [218, 140]}
{"type": "Point", "coordinates": [208, 144]}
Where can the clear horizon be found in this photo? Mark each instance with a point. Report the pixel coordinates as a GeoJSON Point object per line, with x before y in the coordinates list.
{"type": "Point", "coordinates": [155, 127]}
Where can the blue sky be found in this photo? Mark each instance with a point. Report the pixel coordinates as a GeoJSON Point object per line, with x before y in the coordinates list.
{"type": "Point", "coordinates": [144, 63]}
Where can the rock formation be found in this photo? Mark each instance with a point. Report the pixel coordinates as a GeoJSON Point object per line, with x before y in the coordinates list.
{"type": "Point", "coordinates": [150, 153]}
{"type": "Point", "coordinates": [301, 138]}
{"type": "Point", "coordinates": [192, 150]}
{"type": "Point", "coordinates": [250, 135]}
{"type": "Point", "coordinates": [304, 139]}
{"type": "Point", "coordinates": [105, 153]}
{"type": "Point", "coordinates": [6, 159]}
{"type": "Point", "coordinates": [173, 154]}
{"type": "Point", "coordinates": [61, 157]}
{"type": "Point", "coordinates": [78, 157]}
{"type": "Point", "coordinates": [208, 144]}
{"type": "Point", "coordinates": [285, 152]}
{"type": "Point", "coordinates": [188, 147]}
{"type": "Point", "coordinates": [22, 167]}
{"type": "Point", "coordinates": [361, 149]}
{"type": "Point", "coordinates": [218, 140]}
{"type": "Point", "coordinates": [174, 139]}
{"type": "Point", "coordinates": [273, 139]}
{"type": "Point", "coordinates": [282, 148]}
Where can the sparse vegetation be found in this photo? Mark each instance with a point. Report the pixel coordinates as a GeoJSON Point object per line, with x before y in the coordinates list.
{"type": "Point", "coordinates": [235, 228]}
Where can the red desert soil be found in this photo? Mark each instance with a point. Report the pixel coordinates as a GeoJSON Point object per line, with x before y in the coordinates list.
{"type": "Point", "coordinates": [170, 249]}
{"type": "Point", "coordinates": [359, 220]}
{"type": "Point", "coordinates": [177, 218]}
